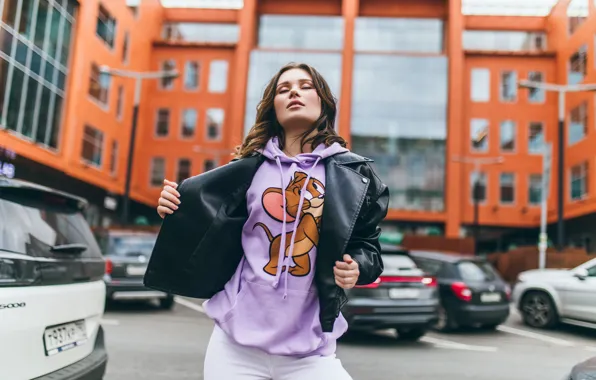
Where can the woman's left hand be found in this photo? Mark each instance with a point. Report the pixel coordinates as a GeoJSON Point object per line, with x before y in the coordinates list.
{"type": "Point", "coordinates": [346, 272]}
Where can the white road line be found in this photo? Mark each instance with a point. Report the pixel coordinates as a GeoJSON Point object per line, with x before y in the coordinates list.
{"type": "Point", "coordinates": [441, 343]}
{"type": "Point", "coordinates": [190, 305]}
{"type": "Point", "coordinates": [533, 335]}
{"type": "Point", "coordinates": [109, 322]}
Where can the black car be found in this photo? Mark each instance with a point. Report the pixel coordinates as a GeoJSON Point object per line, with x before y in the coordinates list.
{"type": "Point", "coordinates": [127, 253]}
{"type": "Point", "coordinates": [471, 292]}
{"type": "Point", "coordinates": [403, 297]}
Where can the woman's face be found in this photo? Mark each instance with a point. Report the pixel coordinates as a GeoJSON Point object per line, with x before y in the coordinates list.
{"type": "Point", "coordinates": [297, 104]}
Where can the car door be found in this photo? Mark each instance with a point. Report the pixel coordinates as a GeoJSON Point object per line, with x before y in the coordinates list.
{"type": "Point", "coordinates": [579, 294]}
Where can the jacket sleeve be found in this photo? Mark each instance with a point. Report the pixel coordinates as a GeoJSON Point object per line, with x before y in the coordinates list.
{"type": "Point", "coordinates": [364, 246]}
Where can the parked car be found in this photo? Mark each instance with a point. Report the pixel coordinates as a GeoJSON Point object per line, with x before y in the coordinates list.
{"type": "Point", "coordinates": [403, 297]}
{"type": "Point", "coordinates": [549, 296]}
{"type": "Point", "coordinates": [471, 291]}
{"type": "Point", "coordinates": [127, 252]}
{"type": "Point", "coordinates": [51, 290]}
{"type": "Point", "coordinates": [585, 370]}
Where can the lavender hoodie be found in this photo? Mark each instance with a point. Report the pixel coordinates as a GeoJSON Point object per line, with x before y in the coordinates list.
{"type": "Point", "coordinates": [265, 304]}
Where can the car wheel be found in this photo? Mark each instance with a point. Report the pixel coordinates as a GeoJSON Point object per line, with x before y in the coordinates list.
{"type": "Point", "coordinates": [445, 322]}
{"type": "Point", "coordinates": [538, 310]}
{"type": "Point", "coordinates": [166, 303]}
{"type": "Point", "coordinates": [410, 334]}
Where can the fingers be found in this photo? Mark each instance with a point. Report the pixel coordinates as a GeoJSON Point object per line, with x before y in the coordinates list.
{"type": "Point", "coordinates": [170, 183]}
{"type": "Point", "coordinates": [166, 203]}
{"type": "Point", "coordinates": [162, 211]}
{"type": "Point", "coordinates": [345, 283]}
{"type": "Point", "coordinates": [168, 194]}
{"type": "Point", "coordinates": [346, 266]}
{"type": "Point", "coordinates": [340, 273]}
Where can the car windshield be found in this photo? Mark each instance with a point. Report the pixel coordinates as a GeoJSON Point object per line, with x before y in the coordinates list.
{"type": "Point", "coordinates": [131, 245]}
{"type": "Point", "coordinates": [476, 271]}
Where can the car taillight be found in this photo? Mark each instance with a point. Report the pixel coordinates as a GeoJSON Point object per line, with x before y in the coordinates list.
{"type": "Point", "coordinates": [508, 292]}
{"type": "Point", "coordinates": [461, 291]}
{"type": "Point", "coordinates": [428, 281]}
{"type": "Point", "coordinates": [109, 266]}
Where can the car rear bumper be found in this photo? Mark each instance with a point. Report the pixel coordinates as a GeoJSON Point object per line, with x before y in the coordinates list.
{"type": "Point", "coordinates": [93, 367]}
{"type": "Point", "coordinates": [131, 289]}
{"type": "Point", "coordinates": [377, 314]}
{"type": "Point", "coordinates": [482, 314]}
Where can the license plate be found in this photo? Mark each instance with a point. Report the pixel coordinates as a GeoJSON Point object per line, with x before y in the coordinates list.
{"type": "Point", "coordinates": [64, 337]}
{"type": "Point", "coordinates": [403, 293]}
{"type": "Point", "coordinates": [136, 270]}
{"type": "Point", "coordinates": [490, 297]}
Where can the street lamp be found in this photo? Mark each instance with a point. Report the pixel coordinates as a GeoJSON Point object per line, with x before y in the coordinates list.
{"type": "Point", "coordinates": [478, 162]}
{"type": "Point", "coordinates": [138, 77]}
{"type": "Point", "coordinates": [561, 90]}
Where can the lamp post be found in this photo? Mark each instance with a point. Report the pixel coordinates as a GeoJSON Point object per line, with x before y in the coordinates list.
{"type": "Point", "coordinates": [138, 77]}
{"type": "Point", "coordinates": [561, 90]}
{"type": "Point", "coordinates": [478, 162]}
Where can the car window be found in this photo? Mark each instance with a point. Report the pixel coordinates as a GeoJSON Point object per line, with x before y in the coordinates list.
{"type": "Point", "coordinates": [476, 271]}
{"type": "Point", "coordinates": [131, 245]}
{"type": "Point", "coordinates": [592, 271]}
{"type": "Point", "coordinates": [432, 267]}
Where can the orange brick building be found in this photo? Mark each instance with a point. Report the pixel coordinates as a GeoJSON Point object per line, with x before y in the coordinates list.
{"type": "Point", "coordinates": [420, 84]}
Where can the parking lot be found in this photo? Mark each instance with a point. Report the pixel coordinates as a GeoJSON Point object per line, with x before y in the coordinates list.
{"type": "Point", "coordinates": [147, 343]}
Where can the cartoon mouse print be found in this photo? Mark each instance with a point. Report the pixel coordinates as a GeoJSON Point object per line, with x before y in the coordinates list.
{"type": "Point", "coordinates": [307, 231]}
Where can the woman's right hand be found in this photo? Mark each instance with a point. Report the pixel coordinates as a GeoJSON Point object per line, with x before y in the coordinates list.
{"type": "Point", "coordinates": [169, 199]}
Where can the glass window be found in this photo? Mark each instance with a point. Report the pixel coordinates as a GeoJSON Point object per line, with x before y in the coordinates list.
{"type": "Point", "coordinates": [218, 76]}
{"type": "Point", "coordinates": [579, 181]}
{"type": "Point", "coordinates": [215, 119]}
{"type": "Point", "coordinates": [535, 189]}
{"type": "Point", "coordinates": [577, 13]}
{"type": "Point", "coordinates": [494, 40]}
{"type": "Point", "coordinates": [6, 39]}
{"type": "Point", "coordinates": [29, 108]}
{"type": "Point", "coordinates": [535, 95]}
{"type": "Point", "coordinates": [162, 124]}
{"type": "Point", "coordinates": [189, 122]}
{"type": "Point", "coordinates": [92, 146]}
{"type": "Point", "coordinates": [474, 271]}
{"type": "Point", "coordinates": [191, 75]}
{"type": "Point", "coordinates": [43, 15]}
{"type": "Point", "coordinates": [383, 34]}
{"type": "Point", "coordinates": [183, 169]}
{"type": "Point", "coordinates": [9, 14]}
{"type": "Point", "coordinates": [52, 41]}
{"type": "Point", "coordinates": [401, 123]}
{"type": "Point", "coordinates": [507, 187]}
{"type": "Point", "coordinates": [125, 44]}
{"type": "Point", "coordinates": [66, 34]}
{"type": "Point", "coordinates": [55, 121]}
{"type": "Point", "coordinates": [26, 21]}
{"type": "Point", "coordinates": [201, 32]}
{"type": "Point", "coordinates": [301, 32]}
{"type": "Point", "coordinates": [99, 85]}
{"type": "Point", "coordinates": [480, 85]}
{"type": "Point", "coordinates": [536, 137]}
{"type": "Point", "coordinates": [508, 86]}
{"type": "Point", "coordinates": [114, 157]}
{"type": "Point", "coordinates": [479, 133]}
{"type": "Point", "coordinates": [478, 186]}
{"type": "Point", "coordinates": [508, 131]}
{"type": "Point", "coordinates": [106, 26]}
{"type": "Point", "coordinates": [158, 171]}
{"type": "Point", "coordinates": [578, 65]}
{"type": "Point", "coordinates": [14, 101]}
{"type": "Point", "coordinates": [44, 115]}
{"type": "Point", "coordinates": [578, 123]}
{"type": "Point", "coordinates": [119, 102]}
{"type": "Point", "coordinates": [208, 165]}
{"type": "Point", "coordinates": [167, 83]}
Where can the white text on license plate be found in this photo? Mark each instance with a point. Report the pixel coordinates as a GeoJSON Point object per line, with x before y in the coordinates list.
{"type": "Point", "coordinates": [403, 293]}
{"type": "Point", "coordinates": [490, 297]}
{"type": "Point", "coordinates": [136, 270]}
{"type": "Point", "coordinates": [64, 337]}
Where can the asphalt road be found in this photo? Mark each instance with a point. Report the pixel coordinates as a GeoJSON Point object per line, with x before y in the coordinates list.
{"type": "Point", "coordinates": [150, 344]}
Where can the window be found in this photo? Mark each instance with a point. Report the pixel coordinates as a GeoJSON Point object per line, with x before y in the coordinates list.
{"type": "Point", "coordinates": [106, 26]}
{"type": "Point", "coordinates": [508, 86]}
{"type": "Point", "coordinates": [579, 181]}
{"type": "Point", "coordinates": [507, 188]}
{"type": "Point", "coordinates": [191, 75]}
{"type": "Point", "coordinates": [535, 189]}
{"type": "Point", "coordinates": [119, 102]}
{"type": "Point", "coordinates": [535, 95]}
{"type": "Point", "coordinates": [218, 76]}
{"type": "Point", "coordinates": [125, 47]}
{"type": "Point", "coordinates": [183, 169]}
{"type": "Point", "coordinates": [114, 157]}
{"type": "Point", "coordinates": [198, 32]}
{"type": "Point", "coordinates": [479, 135]}
{"type": "Point", "coordinates": [208, 165]}
{"type": "Point", "coordinates": [536, 137]}
{"type": "Point", "coordinates": [92, 146]}
{"type": "Point", "coordinates": [158, 171]}
{"type": "Point", "coordinates": [167, 83]}
{"type": "Point", "coordinates": [301, 32]}
{"type": "Point", "coordinates": [386, 34]}
{"type": "Point", "coordinates": [507, 136]}
{"type": "Point", "coordinates": [189, 123]}
{"type": "Point", "coordinates": [478, 186]}
{"type": "Point", "coordinates": [503, 40]}
{"type": "Point", "coordinates": [99, 85]}
{"type": "Point", "coordinates": [480, 85]}
{"type": "Point", "coordinates": [162, 124]}
{"type": "Point", "coordinates": [578, 123]}
{"type": "Point", "coordinates": [578, 65]}
{"type": "Point", "coordinates": [577, 13]}
{"type": "Point", "coordinates": [215, 119]}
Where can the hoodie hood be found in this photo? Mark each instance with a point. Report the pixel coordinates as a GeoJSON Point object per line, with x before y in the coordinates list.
{"type": "Point", "coordinates": [272, 152]}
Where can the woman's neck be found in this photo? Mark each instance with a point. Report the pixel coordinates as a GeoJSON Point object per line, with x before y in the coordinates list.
{"type": "Point", "coordinates": [292, 144]}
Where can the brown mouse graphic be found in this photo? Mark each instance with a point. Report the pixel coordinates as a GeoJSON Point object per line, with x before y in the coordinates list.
{"type": "Point", "coordinates": [307, 231]}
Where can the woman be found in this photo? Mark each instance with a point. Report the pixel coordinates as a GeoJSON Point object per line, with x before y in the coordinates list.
{"type": "Point", "coordinates": [272, 238]}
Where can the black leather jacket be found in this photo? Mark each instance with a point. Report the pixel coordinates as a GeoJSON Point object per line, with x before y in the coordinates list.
{"type": "Point", "coordinates": [199, 246]}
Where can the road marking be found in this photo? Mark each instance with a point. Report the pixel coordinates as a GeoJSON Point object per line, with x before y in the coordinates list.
{"type": "Point", "coordinates": [442, 343]}
{"type": "Point", "coordinates": [190, 305]}
{"type": "Point", "coordinates": [533, 335]}
{"type": "Point", "coordinates": [109, 322]}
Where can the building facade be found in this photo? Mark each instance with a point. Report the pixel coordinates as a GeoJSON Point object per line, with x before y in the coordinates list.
{"type": "Point", "coordinates": [424, 87]}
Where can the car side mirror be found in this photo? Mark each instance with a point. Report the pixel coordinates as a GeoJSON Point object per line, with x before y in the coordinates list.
{"type": "Point", "coordinates": [581, 274]}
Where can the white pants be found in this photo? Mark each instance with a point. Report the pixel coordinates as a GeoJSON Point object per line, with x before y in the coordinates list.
{"type": "Point", "coordinates": [226, 360]}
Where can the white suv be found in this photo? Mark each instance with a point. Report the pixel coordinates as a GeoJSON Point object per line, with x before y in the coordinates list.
{"type": "Point", "coordinates": [546, 297]}
{"type": "Point", "coordinates": [52, 293]}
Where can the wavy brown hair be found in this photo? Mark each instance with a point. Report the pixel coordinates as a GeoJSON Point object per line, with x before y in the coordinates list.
{"type": "Point", "coordinates": [266, 125]}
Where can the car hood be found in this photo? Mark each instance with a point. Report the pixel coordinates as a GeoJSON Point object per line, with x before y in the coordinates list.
{"type": "Point", "coordinates": [545, 273]}
{"type": "Point", "coordinates": [584, 370]}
